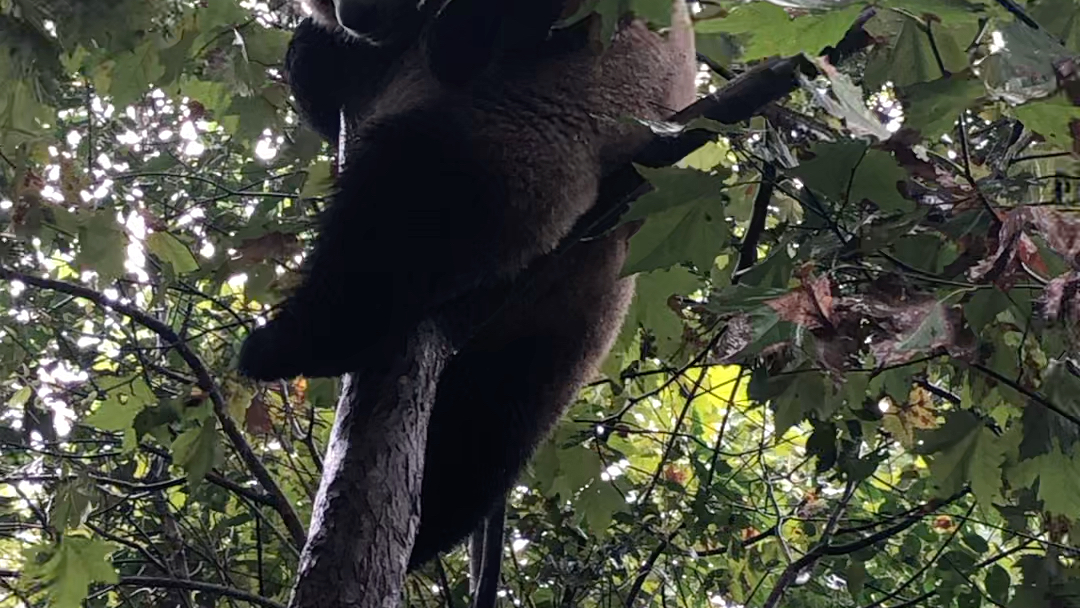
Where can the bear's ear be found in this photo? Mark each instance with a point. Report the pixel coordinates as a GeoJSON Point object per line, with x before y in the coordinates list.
{"type": "Point", "coordinates": [322, 12]}
{"type": "Point", "coordinates": [376, 22]}
{"type": "Point", "coordinates": [467, 35]}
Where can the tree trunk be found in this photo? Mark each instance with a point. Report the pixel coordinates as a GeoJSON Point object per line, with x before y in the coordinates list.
{"type": "Point", "coordinates": [367, 510]}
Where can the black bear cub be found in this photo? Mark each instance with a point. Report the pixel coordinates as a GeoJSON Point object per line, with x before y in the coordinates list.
{"type": "Point", "coordinates": [476, 136]}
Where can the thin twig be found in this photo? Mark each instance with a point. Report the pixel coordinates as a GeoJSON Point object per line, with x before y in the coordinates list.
{"type": "Point", "coordinates": [164, 582]}
{"type": "Point", "coordinates": [795, 568]}
{"type": "Point", "coordinates": [1030, 394]}
{"type": "Point", "coordinates": [873, 539]}
{"type": "Point", "coordinates": [929, 563]}
{"type": "Point", "coordinates": [752, 237]}
{"type": "Point", "coordinates": [647, 566]}
{"type": "Point", "coordinates": [202, 376]}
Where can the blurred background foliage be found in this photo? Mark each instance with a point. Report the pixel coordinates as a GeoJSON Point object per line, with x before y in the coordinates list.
{"type": "Point", "coordinates": [880, 408]}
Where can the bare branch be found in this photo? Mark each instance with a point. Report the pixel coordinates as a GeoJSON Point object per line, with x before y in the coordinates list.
{"type": "Point", "coordinates": [929, 563]}
{"type": "Point", "coordinates": [647, 566]}
{"type": "Point", "coordinates": [752, 237]}
{"type": "Point", "coordinates": [367, 511]}
{"type": "Point", "coordinates": [203, 378]}
{"type": "Point", "coordinates": [896, 528]}
{"type": "Point", "coordinates": [1030, 394]}
{"type": "Point", "coordinates": [806, 562]}
{"type": "Point", "coordinates": [164, 582]}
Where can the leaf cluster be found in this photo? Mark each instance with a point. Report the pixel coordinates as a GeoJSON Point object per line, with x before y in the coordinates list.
{"type": "Point", "coordinates": [848, 377]}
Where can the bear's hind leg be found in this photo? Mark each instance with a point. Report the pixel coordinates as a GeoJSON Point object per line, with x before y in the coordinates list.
{"type": "Point", "coordinates": [502, 394]}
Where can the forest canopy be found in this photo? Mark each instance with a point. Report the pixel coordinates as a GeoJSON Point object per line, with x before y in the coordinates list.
{"type": "Point", "coordinates": [849, 376]}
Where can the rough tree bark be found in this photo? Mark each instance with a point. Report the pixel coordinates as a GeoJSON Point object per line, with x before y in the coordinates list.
{"type": "Point", "coordinates": [367, 510]}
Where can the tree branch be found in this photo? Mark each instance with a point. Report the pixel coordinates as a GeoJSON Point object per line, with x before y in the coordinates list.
{"type": "Point", "coordinates": [164, 582]}
{"type": "Point", "coordinates": [204, 381]}
{"type": "Point", "coordinates": [917, 511]}
{"type": "Point", "coordinates": [929, 563]}
{"type": "Point", "coordinates": [221, 481]}
{"type": "Point", "coordinates": [897, 528]}
{"type": "Point", "coordinates": [647, 566]}
{"type": "Point", "coordinates": [791, 573]}
{"type": "Point", "coordinates": [1030, 394]}
{"type": "Point", "coordinates": [367, 511]}
{"type": "Point", "coordinates": [748, 250]}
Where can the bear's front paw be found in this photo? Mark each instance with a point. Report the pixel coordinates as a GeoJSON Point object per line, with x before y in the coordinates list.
{"type": "Point", "coordinates": [266, 356]}
{"type": "Point", "coordinates": [282, 350]}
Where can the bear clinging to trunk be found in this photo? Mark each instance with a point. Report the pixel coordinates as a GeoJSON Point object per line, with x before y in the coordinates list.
{"type": "Point", "coordinates": [476, 135]}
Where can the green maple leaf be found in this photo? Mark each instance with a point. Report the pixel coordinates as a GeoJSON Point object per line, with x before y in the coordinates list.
{"type": "Point", "coordinates": [830, 171]}
{"type": "Point", "coordinates": [769, 31]}
{"type": "Point", "coordinates": [71, 504]}
{"type": "Point", "coordinates": [1056, 473]}
{"type": "Point", "coordinates": [965, 452]}
{"type": "Point", "coordinates": [851, 172]}
{"type": "Point", "coordinates": [195, 450]}
{"type": "Point", "coordinates": [113, 415]}
{"type": "Point", "coordinates": [598, 504]}
{"type": "Point", "coordinates": [126, 398]}
{"type": "Point", "coordinates": [578, 466]}
{"type": "Point", "coordinates": [984, 469]}
{"type": "Point", "coordinates": [1050, 118]}
{"type": "Point", "coordinates": [76, 563]}
{"type": "Point", "coordinates": [1057, 483]}
{"type": "Point", "coordinates": [102, 244]}
{"type": "Point", "coordinates": [650, 307]}
{"type": "Point", "coordinates": [687, 233]}
{"type": "Point", "coordinates": [798, 400]}
{"type": "Point", "coordinates": [932, 107]}
{"type": "Point", "coordinates": [674, 187]}
{"type": "Point", "coordinates": [169, 249]}
{"type": "Point", "coordinates": [134, 72]}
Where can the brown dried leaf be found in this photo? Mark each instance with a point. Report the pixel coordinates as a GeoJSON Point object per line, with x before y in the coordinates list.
{"type": "Point", "coordinates": [1067, 71]}
{"type": "Point", "coordinates": [900, 326]}
{"type": "Point", "coordinates": [1028, 254]}
{"type": "Point", "coordinates": [1060, 301]}
{"type": "Point", "coordinates": [72, 180]}
{"type": "Point", "coordinates": [299, 387]}
{"type": "Point", "coordinates": [31, 181]}
{"type": "Point", "coordinates": [154, 222]}
{"type": "Point", "coordinates": [920, 328]}
{"type": "Point", "coordinates": [257, 418]}
{"type": "Point", "coordinates": [921, 411]}
{"type": "Point", "coordinates": [902, 420]}
{"type": "Point", "coordinates": [1014, 251]}
{"type": "Point", "coordinates": [836, 352]}
{"type": "Point", "coordinates": [1061, 229]}
{"type": "Point", "coordinates": [270, 246]}
{"type": "Point", "coordinates": [675, 474]}
{"type": "Point", "coordinates": [776, 357]}
{"type": "Point", "coordinates": [809, 305]}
